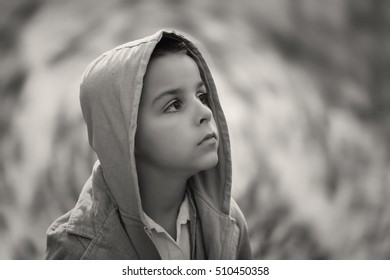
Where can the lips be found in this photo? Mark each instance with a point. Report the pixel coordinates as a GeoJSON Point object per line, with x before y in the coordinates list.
{"type": "Point", "coordinates": [208, 136]}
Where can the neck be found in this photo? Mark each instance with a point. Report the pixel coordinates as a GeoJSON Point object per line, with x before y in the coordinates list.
{"type": "Point", "coordinates": [161, 191]}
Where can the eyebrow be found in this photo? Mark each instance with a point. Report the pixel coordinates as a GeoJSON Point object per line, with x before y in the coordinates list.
{"type": "Point", "coordinates": [174, 92]}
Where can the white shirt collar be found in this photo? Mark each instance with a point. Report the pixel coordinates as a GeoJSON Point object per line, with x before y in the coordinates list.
{"type": "Point", "coordinates": [182, 218]}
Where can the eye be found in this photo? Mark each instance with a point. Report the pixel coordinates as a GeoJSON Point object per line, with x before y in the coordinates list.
{"type": "Point", "coordinates": [174, 106]}
{"type": "Point", "coordinates": [204, 98]}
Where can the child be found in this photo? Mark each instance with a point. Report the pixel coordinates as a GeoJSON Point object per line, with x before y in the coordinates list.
{"type": "Point", "coordinates": [161, 188]}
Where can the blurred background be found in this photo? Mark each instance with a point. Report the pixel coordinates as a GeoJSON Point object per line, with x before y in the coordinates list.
{"type": "Point", "coordinates": [305, 89]}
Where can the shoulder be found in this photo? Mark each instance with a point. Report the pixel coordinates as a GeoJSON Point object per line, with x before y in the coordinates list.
{"type": "Point", "coordinates": [243, 247]}
{"type": "Point", "coordinates": [236, 213]}
{"type": "Point", "coordinates": [65, 242]}
{"type": "Point", "coordinates": [61, 244]}
{"type": "Point", "coordinates": [69, 236]}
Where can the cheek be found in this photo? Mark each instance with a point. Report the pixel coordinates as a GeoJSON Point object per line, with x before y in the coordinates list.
{"type": "Point", "coordinates": [162, 139]}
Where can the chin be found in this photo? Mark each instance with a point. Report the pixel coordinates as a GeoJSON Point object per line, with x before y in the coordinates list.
{"type": "Point", "coordinates": [209, 162]}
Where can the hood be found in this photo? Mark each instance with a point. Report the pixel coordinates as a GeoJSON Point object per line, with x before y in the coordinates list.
{"type": "Point", "coordinates": [110, 94]}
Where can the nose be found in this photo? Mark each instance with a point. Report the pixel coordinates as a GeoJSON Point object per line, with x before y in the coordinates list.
{"type": "Point", "coordinates": [203, 113]}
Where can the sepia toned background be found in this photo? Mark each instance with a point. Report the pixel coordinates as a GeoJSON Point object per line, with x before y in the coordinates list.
{"type": "Point", "coordinates": [305, 89]}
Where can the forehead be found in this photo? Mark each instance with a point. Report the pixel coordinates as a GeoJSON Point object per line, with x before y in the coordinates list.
{"type": "Point", "coordinates": [170, 72]}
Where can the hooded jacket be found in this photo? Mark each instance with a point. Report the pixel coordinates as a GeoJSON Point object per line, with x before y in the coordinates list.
{"type": "Point", "coordinates": [107, 220]}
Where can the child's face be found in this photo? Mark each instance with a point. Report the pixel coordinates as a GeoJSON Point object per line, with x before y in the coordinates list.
{"type": "Point", "coordinates": [174, 117]}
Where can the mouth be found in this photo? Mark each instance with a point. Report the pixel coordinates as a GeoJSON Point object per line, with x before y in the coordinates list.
{"type": "Point", "coordinates": [211, 137]}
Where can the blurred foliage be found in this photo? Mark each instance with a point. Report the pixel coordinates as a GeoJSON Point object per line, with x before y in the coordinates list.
{"type": "Point", "coordinates": [304, 87]}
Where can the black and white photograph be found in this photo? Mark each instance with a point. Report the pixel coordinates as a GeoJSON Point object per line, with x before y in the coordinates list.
{"type": "Point", "coordinates": [194, 130]}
